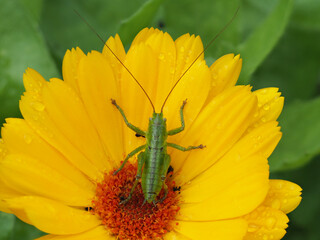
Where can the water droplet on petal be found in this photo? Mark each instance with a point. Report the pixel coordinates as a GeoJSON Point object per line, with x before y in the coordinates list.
{"type": "Point", "coordinates": [276, 204]}
{"type": "Point", "coordinates": [182, 49]}
{"type": "Point", "coordinates": [263, 91]}
{"type": "Point", "coordinates": [27, 138]}
{"type": "Point", "coordinates": [161, 56]}
{"type": "Point", "coordinates": [252, 228]}
{"type": "Point", "coordinates": [270, 222]}
{"type": "Point", "coordinates": [38, 106]}
{"type": "Point", "coordinates": [266, 107]}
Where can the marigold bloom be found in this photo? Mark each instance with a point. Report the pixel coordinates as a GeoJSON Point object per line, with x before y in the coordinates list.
{"type": "Point", "coordinates": [56, 163]}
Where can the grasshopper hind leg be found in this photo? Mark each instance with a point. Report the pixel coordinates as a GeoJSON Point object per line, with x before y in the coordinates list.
{"type": "Point", "coordinates": [164, 171]}
{"type": "Point", "coordinates": [141, 160]}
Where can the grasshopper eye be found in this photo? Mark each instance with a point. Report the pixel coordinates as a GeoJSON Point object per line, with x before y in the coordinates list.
{"type": "Point", "coordinates": [149, 147]}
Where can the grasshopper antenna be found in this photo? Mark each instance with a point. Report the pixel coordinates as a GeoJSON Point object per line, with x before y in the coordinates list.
{"type": "Point", "coordinates": [104, 42]}
{"type": "Point", "coordinates": [214, 38]}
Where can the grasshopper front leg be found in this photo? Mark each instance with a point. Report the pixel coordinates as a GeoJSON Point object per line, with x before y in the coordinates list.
{"type": "Point", "coordinates": [131, 126]}
{"type": "Point", "coordinates": [179, 129]}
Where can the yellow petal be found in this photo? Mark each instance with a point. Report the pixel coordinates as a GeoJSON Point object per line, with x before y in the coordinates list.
{"type": "Point", "coordinates": [225, 73]}
{"type": "Point", "coordinates": [3, 150]}
{"type": "Point", "coordinates": [283, 195]}
{"type": "Point", "coordinates": [188, 49]}
{"type": "Point", "coordinates": [219, 125]}
{"type": "Point", "coordinates": [270, 105]}
{"type": "Point", "coordinates": [52, 217]}
{"type": "Point", "coordinates": [70, 67]}
{"type": "Point", "coordinates": [266, 223]}
{"type": "Point", "coordinates": [262, 140]}
{"type": "Point", "coordinates": [5, 191]}
{"type": "Point", "coordinates": [133, 101]}
{"type": "Point", "coordinates": [32, 177]}
{"type": "Point", "coordinates": [21, 139]}
{"type": "Point", "coordinates": [97, 85]}
{"type": "Point", "coordinates": [222, 230]}
{"type": "Point", "coordinates": [4, 207]}
{"type": "Point", "coordinates": [173, 235]}
{"type": "Point", "coordinates": [117, 48]}
{"type": "Point", "coordinates": [164, 51]}
{"type": "Point", "coordinates": [33, 83]}
{"type": "Point", "coordinates": [70, 132]}
{"type": "Point", "coordinates": [143, 35]}
{"type": "Point", "coordinates": [231, 188]}
{"type": "Point", "coordinates": [194, 87]}
{"type": "Point", "coordinates": [98, 233]}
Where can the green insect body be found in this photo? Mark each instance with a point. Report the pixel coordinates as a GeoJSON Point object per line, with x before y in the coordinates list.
{"type": "Point", "coordinates": [154, 161]}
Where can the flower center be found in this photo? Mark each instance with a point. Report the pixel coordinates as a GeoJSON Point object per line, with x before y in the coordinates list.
{"type": "Point", "coordinates": [133, 220]}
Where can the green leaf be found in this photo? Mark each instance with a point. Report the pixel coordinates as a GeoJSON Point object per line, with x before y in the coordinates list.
{"type": "Point", "coordinates": [35, 8]}
{"type": "Point", "coordinates": [24, 231]}
{"type": "Point", "coordinates": [140, 19]}
{"type": "Point", "coordinates": [306, 14]}
{"type": "Point", "coordinates": [293, 65]}
{"type": "Point", "coordinates": [204, 18]}
{"type": "Point", "coordinates": [64, 30]}
{"type": "Point", "coordinates": [21, 46]}
{"type": "Point", "coordinates": [6, 225]}
{"type": "Point", "coordinates": [256, 48]}
{"type": "Point", "coordinates": [301, 130]}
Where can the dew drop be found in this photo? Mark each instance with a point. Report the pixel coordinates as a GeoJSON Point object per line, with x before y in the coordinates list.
{"type": "Point", "coordinates": [27, 138]}
{"type": "Point", "coordinates": [161, 56]}
{"type": "Point", "coordinates": [182, 49]}
{"type": "Point", "coordinates": [276, 204]}
{"type": "Point", "coordinates": [270, 223]}
{"type": "Point", "coordinates": [266, 107]}
{"type": "Point", "coordinates": [263, 91]}
{"type": "Point", "coordinates": [252, 228]}
{"type": "Point", "coordinates": [263, 119]}
{"type": "Point", "coordinates": [38, 106]}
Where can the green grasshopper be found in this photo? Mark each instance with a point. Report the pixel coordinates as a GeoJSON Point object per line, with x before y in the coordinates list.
{"type": "Point", "coordinates": [154, 161]}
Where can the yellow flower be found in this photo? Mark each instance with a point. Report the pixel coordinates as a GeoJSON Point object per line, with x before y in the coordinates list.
{"type": "Point", "coordinates": [56, 164]}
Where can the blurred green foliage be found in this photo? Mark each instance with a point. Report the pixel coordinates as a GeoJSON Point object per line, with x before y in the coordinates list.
{"type": "Point", "coordinates": [278, 40]}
